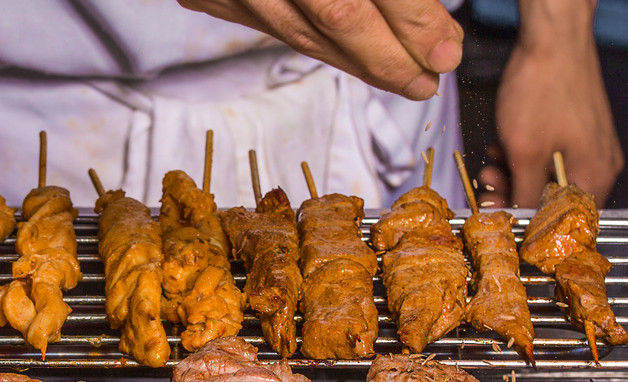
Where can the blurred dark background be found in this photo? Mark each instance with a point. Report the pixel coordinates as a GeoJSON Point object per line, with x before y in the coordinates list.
{"type": "Point", "coordinates": [487, 47]}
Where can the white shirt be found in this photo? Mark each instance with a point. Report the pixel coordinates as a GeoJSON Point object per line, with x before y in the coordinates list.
{"type": "Point", "coordinates": [130, 87]}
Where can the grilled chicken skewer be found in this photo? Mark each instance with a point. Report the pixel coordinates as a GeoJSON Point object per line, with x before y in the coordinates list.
{"type": "Point", "coordinates": [199, 288]}
{"type": "Point", "coordinates": [423, 269]}
{"type": "Point", "coordinates": [46, 241]}
{"type": "Point", "coordinates": [198, 285]}
{"type": "Point", "coordinates": [130, 247]}
{"type": "Point", "coordinates": [340, 317]}
{"type": "Point", "coordinates": [268, 243]}
{"type": "Point", "coordinates": [500, 303]}
{"type": "Point", "coordinates": [561, 241]}
{"type": "Point", "coordinates": [7, 219]}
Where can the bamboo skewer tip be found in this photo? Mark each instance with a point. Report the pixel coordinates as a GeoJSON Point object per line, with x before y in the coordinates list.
{"type": "Point", "coordinates": [309, 179]}
{"type": "Point", "coordinates": [43, 154]}
{"type": "Point", "coordinates": [96, 182]}
{"type": "Point", "coordinates": [559, 166]}
{"type": "Point", "coordinates": [257, 192]}
{"type": "Point", "coordinates": [466, 183]}
{"type": "Point", "coordinates": [428, 167]}
{"type": "Point", "coordinates": [209, 153]}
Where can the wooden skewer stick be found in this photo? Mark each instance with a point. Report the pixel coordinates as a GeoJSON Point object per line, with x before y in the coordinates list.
{"type": "Point", "coordinates": [209, 153]}
{"type": "Point", "coordinates": [96, 182]}
{"type": "Point", "coordinates": [561, 175]}
{"type": "Point", "coordinates": [464, 176]}
{"type": "Point", "coordinates": [429, 165]}
{"type": "Point", "coordinates": [309, 180]}
{"type": "Point", "coordinates": [43, 153]}
{"type": "Point", "coordinates": [257, 191]}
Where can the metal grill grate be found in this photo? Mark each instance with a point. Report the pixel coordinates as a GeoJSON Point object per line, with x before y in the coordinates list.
{"type": "Point", "coordinates": [88, 343]}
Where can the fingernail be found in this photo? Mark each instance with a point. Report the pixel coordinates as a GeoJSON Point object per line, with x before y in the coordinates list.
{"type": "Point", "coordinates": [445, 56]}
{"type": "Point", "coordinates": [422, 87]}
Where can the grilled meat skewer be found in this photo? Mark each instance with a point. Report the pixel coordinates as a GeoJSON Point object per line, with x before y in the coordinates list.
{"type": "Point", "coordinates": [561, 240]}
{"type": "Point", "coordinates": [423, 269]}
{"type": "Point", "coordinates": [199, 288]}
{"type": "Point", "coordinates": [268, 243]}
{"type": "Point", "coordinates": [500, 303]}
{"type": "Point", "coordinates": [340, 317]}
{"type": "Point", "coordinates": [130, 248]}
{"type": "Point", "coordinates": [33, 302]}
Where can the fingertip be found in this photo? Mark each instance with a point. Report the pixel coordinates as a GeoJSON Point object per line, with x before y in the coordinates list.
{"type": "Point", "coordinates": [422, 87]}
{"type": "Point", "coordinates": [445, 56]}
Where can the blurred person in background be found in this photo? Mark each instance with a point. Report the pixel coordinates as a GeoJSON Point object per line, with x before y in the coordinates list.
{"type": "Point", "coordinates": [561, 85]}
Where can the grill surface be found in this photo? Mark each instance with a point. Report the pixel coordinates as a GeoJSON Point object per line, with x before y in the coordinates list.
{"type": "Point", "coordinates": [88, 345]}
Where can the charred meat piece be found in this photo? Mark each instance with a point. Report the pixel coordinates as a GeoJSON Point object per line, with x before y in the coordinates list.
{"type": "Point", "coordinates": [340, 317]}
{"type": "Point", "coordinates": [130, 248]}
{"type": "Point", "coordinates": [500, 303]}
{"type": "Point", "coordinates": [33, 302]}
{"type": "Point", "coordinates": [566, 222]}
{"type": "Point", "coordinates": [267, 241]}
{"type": "Point", "coordinates": [198, 286]}
{"type": "Point", "coordinates": [231, 359]}
{"type": "Point", "coordinates": [423, 269]}
{"type": "Point", "coordinates": [580, 286]}
{"type": "Point", "coordinates": [7, 219]}
{"type": "Point", "coordinates": [399, 367]}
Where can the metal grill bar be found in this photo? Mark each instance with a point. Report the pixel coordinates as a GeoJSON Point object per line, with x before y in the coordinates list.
{"type": "Point", "coordinates": [530, 280]}
{"type": "Point", "coordinates": [100, 340]}
{"type": "Point", "coordinates": [100, 300]}
{"type": "Point", "coordinates": [83, 344]}
{"type": "Point", "coordinates": [325, 364]}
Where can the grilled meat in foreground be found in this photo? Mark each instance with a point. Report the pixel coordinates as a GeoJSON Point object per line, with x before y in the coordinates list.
{"type": "Point", "coordinates": [231, 359]}
{"type": "Point", "coordinates": [130, 248]}
{"type": "Point", "coordinates": [268, 243]}
{"type": "Point", "coordinates": [500, 303]}
{"type": "Point", "coordinates": [400, 367]}
{"type": "Point", "coordinates": [423, 269]}
{"type": "Point", "coordinates": [33, 302]}
{"type": "Point", "coordinates": [198, 286]}
{"type": "Point", "coordinates": [7, 219]}
{"type": "Point", "coordinates": [561, 240]}
{"type": "Point", "coordinates": [10, 377]}
{"type": "Point", "coordinates": [340, 317]}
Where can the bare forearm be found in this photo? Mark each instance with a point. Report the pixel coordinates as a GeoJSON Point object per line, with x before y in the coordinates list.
{"type": "Point", "coordinates": [548, 25]}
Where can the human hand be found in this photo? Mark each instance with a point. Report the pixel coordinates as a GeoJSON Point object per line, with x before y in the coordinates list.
{"type": "Point", "coordinates": [552, 98]}
{"type": "Point", "coordinates": [399, 46]}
